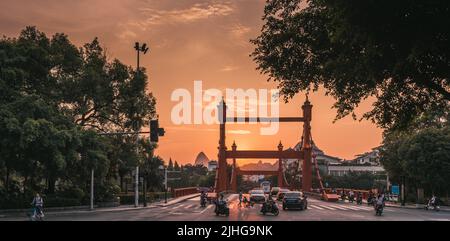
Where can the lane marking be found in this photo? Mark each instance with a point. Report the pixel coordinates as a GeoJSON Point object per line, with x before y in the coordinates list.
{"type": "Point", "coordinates": [315, 207]}
{"type": "Point", "coordinates": [326, 207]}
{"type": "Point", "coordinates": [179, 206]}
{"type": "Point", "coordinates": [339, 207]}
{"type": "Point", "coordinates": [206, 209]}
{"type": "Point", "coordinates": [189, 206]}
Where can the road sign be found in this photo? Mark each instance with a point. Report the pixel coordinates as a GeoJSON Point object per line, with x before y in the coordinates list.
{"type": "Point", "coordinates": [395, 190]}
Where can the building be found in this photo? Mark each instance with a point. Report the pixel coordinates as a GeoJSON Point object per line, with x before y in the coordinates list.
{"type": "Point", "coordinates": [323, 160]}
{"type": "Point", "coordinates": [368, 158]}
{"type": "Point", "coordinates": [201, 160]}
{"type": "Point", "coordinates": [212, 165]}
{"type": "Point", "coordinates": [341, 170]}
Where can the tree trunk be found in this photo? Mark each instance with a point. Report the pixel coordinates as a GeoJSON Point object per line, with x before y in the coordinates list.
{"type": "Point", "coordinates": [7, 179]}
{"type": "Point", "coordinates": [51, 184]}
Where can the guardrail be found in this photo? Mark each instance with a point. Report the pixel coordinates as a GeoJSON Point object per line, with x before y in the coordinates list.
{"type": "Point", "coordinates": [179, 192]}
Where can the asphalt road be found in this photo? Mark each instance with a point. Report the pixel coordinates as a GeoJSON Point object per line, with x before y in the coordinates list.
{"type": "Point", "coordinates": [318, 210]}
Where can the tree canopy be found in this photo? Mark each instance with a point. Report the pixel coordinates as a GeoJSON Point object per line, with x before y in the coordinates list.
{"type": "Point", "coordinates": [395, 51]}
{"type": "Point", "coordinates": [56, 98]}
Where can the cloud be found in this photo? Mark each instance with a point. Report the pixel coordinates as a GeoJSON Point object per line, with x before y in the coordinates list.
{"type": "Point", "coordinates": [228, 68]}
{"type": "Point", "coordinates": [239, 132]}
{"type": "Point", "coordinates": [194, 13]}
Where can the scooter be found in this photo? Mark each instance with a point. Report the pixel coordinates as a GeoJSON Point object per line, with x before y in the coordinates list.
{"type": "Point", "coordinates": [36, 214]}
{"type": "Point", "coordinates": [378, 210]}
{"type": "Point", "coordinates": [222, 208]}
{"type": "Point", "coordinates": [351, 198]}
{"type": "Point", "coordinates": [203, 201]}
{"type": "Point", "coordinates": [359, 200]}
{"type": "Point", "coordinates": [270, 207]}
{"type": "Point", "coordinates": [432, 206]}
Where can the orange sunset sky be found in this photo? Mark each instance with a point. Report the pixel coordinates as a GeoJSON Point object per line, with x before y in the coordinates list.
{"type": "Point", "coordinates": [191, 40]}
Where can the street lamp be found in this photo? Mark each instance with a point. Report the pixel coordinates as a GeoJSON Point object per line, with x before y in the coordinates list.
{"type": "Point", "coordinates": [162, 167]}
{"type": "Point", "coordinates": [144, 50]}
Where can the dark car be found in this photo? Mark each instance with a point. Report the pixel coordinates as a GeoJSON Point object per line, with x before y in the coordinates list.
{"type": "Point", "coordinates": [257, 196]}
{"type": "Point", "coordinates": [281, 193]}
{"type": "Point", "coordinates": [294, 200]}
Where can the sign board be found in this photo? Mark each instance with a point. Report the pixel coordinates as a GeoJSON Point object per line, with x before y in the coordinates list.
{"type": "Point", "coordinates": [265, 186]}
{"type": "Point", "coordinates": [395, 189]}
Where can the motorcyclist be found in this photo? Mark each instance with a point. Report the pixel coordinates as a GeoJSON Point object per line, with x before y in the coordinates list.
{"type": "Point", "coordinates": [203, 196]}
{"type": "Point", "coordinates": [240, 198]}
{"type": "Point", "coordinates": [433, 202]}
{"type": "Point", "coordinates": [359, 198]}
{"type": "Point", "coordinates": [379, 201]}
{"type": "Point", "coordinates": [351, 196]}
{"type": "Point", "coordinates": [37, 204]}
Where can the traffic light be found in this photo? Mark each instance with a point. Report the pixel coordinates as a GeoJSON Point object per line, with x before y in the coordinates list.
{"type": "Point", "coordinates": [155, 131]}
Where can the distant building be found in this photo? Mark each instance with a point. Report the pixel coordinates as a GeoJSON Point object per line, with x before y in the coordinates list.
{"type": "Point", "coordinates": [368, 158]}
{"type": "Point", "coordinates": [323, 160]}
{"type": "Point", "coordinates": [341, 170]}
{"type": "Point", "coordinates": [201, 160]}
{"type": "Point", "coordinates": [212, 165]}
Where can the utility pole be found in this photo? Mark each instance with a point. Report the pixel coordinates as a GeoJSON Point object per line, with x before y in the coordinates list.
{"type": "Point", "coordinates": [144, 50]}
{"type": "Point", "coordinates": [92, 189]}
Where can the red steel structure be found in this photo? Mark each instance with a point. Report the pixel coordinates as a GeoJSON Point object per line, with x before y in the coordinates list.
{"type": "Point", "coordinates": [305, 154]}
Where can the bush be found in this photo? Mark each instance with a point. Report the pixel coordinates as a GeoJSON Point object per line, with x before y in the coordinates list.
{"type": "Point", "coordinates": [107, 192]}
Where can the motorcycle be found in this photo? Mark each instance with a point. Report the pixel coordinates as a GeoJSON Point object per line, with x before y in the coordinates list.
{"type": "Point", "coordinates": [370, 200]}
{"type": "Point", "coordinates": [343, 197]}
{"type": "Point", "coordinates": [351, 198]}
{"type": "Point", "coordinates": [359, 200]}
{"type": "Point", "coordinates": [203, 201]}
{"type": "Point", "coordinates": [222, 208]}
{"type": "Point", "coordinates": [36, 214]}
{"type": "Point", "coordinates": [432, 206]}
{"type": "Point", "coordinates": [270, 207]}
{"type": "Point", "coordinates": [378, 210]}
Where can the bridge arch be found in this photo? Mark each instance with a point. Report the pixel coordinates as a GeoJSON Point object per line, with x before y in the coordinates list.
{"type": "Point", "coordinates": [305, 153]}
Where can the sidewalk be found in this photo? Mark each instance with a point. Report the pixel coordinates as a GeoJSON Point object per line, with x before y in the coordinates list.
{"type": "Point", "coordinates": [415, 206]}
{"type": "Point", "coordinates": [85, 209]}
{"type": "Point", "coordinates": [397, 205]}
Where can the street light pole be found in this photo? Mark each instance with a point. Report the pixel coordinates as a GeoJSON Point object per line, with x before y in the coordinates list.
{"type": "Point", "coordinates": [144, 50]}
{"type": "Point", "coordinates": [165, 185]}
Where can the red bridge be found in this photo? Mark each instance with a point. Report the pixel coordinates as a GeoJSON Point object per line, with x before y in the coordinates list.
{"type": "Point", "coordinates": [222, 183]}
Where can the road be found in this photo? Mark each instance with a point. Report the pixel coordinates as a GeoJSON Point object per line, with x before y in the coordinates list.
{"type": "Point", "coordinates": [318, 210]}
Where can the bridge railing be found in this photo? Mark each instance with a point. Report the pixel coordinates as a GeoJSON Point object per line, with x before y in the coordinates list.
{"type": "Point", "coordinates": [179, 192]}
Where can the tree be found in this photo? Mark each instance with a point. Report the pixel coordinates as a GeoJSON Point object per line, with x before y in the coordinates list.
{"type": "Point", "coordinates": [170, 166]}
{"type": "Point", "coordinates": [422, 157]}
{"type": "Point", "coordinates": [401, 57]}
{"type": "Point", "coordinates": [176, 166]}
{"type": "Point", "coordinates": [55, 99]}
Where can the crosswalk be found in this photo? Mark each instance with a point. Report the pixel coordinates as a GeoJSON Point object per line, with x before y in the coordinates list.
{"type": "Point", "coordinates": [322, 206]}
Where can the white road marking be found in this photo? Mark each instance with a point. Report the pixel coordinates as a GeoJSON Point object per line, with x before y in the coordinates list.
{"type": "Point", "coordinates": [315, 207]}
{"type": "Point", "coordinates": [189, 206]}
{"type": "Point", "coordinates": [179, 206]}
{"type": "Point", "coordinates": [338, 207]}
{"type": "Point", "coordinates": [204, 210]}
{"type": "Point", "coordinates": [164, 208]}
{"type": "Point", "coordinates": [327, 207]}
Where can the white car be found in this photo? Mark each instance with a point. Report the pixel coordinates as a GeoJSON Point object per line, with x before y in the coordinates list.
{"type": "Point", "coordinates": [257, 196]}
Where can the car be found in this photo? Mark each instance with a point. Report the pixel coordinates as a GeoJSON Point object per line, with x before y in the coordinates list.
{"type": "Point", "coordinates": [274, 191]}
{"type": "Point", "coordinates": [257, 196]}
{"type": "Point", "coordinates": [295, 200]}
{"type": "Point", "coordinates": [281, 193]}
